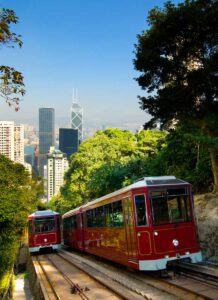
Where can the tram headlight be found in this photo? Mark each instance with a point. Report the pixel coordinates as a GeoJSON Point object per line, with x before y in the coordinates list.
{"type": "Point", "coordinates": [175, 243]}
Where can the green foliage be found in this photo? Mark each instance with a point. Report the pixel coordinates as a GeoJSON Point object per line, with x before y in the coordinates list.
{"type": "Point", "coordinates": [177, 58]}
{"type": "Point", "coordinates": [18, 198]}
{"type": "Point", "coordinates": [7, 37]}
{"type": "Point", "coordinates": [104, 163]}
{"type": "Point", "coordinates": [4, 282]}
{"type": "Point", "coordinates": [11, 81]}
{"type": "Point", "coordinates": [184, 156]}
{"type": "Point", "coordinates": [113, 159]}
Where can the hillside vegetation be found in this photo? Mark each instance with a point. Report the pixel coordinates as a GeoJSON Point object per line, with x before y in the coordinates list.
{"type": "Point", "coordinates": [114, 158]}
{"type": "Point", "coordinates": [19, 196]}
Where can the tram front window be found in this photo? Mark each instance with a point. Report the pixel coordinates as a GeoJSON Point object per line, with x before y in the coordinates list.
{"type": "Point", "coordinates": [170, 206]}
{"type": "Point", "coordinates": [44, 224]}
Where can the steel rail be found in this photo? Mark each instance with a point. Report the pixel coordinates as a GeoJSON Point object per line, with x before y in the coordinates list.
{"type": "Point", "coordinates": [125, 296]}
{"type": "Point", "coordinates": [75, 288]}
{"type": "Point", "coordinates": [164, 285]}
{"type": "Point", "coordinates": [48, 279]}
{"type": "Point", "coordinates": [200, 271]}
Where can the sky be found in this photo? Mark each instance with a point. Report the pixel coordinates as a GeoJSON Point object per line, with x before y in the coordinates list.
{"type": "Point", "coordinates": [87, 45]}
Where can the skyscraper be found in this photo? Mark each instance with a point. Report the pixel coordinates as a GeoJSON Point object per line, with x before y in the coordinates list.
{"type": "Point", "coordinates": [46, 135]}
{"type": "Point", "coordinates": [57, 165]}
{"type": "Point", "coordinates": [12, 141]}
{"type": "Point", "coordinates": [19, 143]}
{"type": "Point", "coordinates": [77, 118]}
{"type": "Point", "coordinates": [68, 141]}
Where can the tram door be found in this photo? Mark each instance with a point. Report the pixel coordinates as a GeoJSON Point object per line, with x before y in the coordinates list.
{"type": "Point", "coordinates": [130, 231]}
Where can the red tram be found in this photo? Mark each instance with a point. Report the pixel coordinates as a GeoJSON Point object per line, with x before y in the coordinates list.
{"type": "Point", "coordinates": [143, 226]}
{"type": "Point", "coordinates": [44, 230]}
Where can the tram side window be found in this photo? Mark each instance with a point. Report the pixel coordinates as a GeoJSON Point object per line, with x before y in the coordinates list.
{"type": "Point", "coordinates": [140, 210]}
{"type": "Point", "coordinates": [108, 215]}
{"type": "Point", "coordinates": [99, 212]}
{"type": "Point", "coordinates": [30, 226]}
{"type": "Point", "coordinates": [84, 221]}
{"type": "Point", "coordinates": [58, 223]}
{"type": "Point", "coordinates": [118, 214]}
{"type": "Point", "coordinates": [89, 218]}
{"type": "Point", "coordinates": [74, 222]}
{"type": "Point", "coordinates": [94, 218]}
{"type": "Point", "coordinates": [67, 223]}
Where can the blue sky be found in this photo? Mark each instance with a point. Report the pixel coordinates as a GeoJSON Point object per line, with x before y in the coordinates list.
{"type": "Point", "coordinates": [82, 44]}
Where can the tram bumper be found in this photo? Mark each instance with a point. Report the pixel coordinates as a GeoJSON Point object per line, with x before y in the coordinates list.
{"type": "Point", "coordinates": [161, 264]}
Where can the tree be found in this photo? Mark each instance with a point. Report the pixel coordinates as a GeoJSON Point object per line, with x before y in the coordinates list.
{"type": "Point", "coordinates": [184, 157]}
{"type": "Point", "coordinates": [11, 80]}
{"type": "Point", "coordinates": [108, 161]}
{"type": "Point", "coordinates": [17, 199]}
{"type": "Point", "coordinates": [178, 59]}
{"type": "Point", "coordinates": [108, 147]}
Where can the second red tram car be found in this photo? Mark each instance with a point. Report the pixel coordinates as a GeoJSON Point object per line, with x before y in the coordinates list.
{"type": "Point", "coordinates": [143, 226]}
{"type": "Point", "coordinates": [44, 230]}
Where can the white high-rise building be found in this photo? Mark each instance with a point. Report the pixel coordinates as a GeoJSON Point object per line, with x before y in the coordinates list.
{"type": "Point", "coordinates": [57, 165]}
{"type": "Point", "coordinates": [19, 143]}
{"type": "Point", "coordinates": [12, 141]}
{"type": "Point", "coordinates": [77, 118]}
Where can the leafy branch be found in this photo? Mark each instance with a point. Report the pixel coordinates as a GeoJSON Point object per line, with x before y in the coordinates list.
{"type": "Point", "coordinates": [11, 80]}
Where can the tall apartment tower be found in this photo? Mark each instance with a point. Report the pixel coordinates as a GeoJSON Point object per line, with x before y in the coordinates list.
{"type": "Point", "coordinates": [68, 141]}
{"type": "Point", "coordinates": [77, 118]}
{"type": "Point", "coordinates": [46, 135]}
{"type": "Point", "coordinates": [19, 144]}
{"type": "Point", "coordinates": [12, 141]}
{"type": "Point", "coordinates": [57, 165]}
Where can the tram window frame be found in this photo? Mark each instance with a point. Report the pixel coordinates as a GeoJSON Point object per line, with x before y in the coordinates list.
{"type": "Point", "coordinates": [144, 218]}
{"type": "Point", "coordinates": [166, 196]}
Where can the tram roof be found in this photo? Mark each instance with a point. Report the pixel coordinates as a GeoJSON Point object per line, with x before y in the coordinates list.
{"type": "Point", "coordinates": [144, 182]}
{"type": "Point", "coordinates": [43, 213]}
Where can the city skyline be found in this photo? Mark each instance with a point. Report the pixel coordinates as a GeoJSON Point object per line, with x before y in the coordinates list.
{"type": "Point", "coordinates": [78, 44]}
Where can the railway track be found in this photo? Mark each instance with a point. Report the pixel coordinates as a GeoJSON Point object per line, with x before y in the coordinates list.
{"type": "Point", "coordinates": [62, 278]}
{"type": "Point", "coordinates": [202, 272]}
{"type": "Point", "coordinates": [199, 279]}
{"type": "Point", "coordinates": [133, 288]}
{"type": "Point", "coordinates": [46, 284]}
{"type": "Point", "coordinates": [180, 286]}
